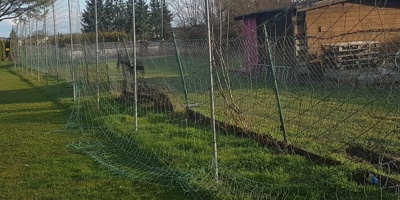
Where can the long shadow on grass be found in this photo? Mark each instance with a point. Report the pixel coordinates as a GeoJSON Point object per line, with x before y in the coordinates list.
{"type": "Point", "coordinates": [267, 141]}
{"type": "Point", "coordinates": [35, 94]}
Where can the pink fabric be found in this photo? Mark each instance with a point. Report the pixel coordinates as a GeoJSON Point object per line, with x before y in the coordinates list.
{"type": "Point", "coordinates": [250, 45]}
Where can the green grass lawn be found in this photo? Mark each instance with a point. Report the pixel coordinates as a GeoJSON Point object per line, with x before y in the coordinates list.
{"type": "Point", "coordinates": [321, 116]}
{"type": "Point", "coordinates": [35, 162]}
{"type": "Point", "coordinates": [167, 150]}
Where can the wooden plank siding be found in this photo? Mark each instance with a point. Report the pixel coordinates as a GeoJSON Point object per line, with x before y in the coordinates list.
{"type": "Point", "coordinates": [347, 22]}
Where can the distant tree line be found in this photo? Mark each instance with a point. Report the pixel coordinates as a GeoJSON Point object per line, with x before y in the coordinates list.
{"type": "Point", "coordinates": [190, 18]}
{"type": "Point", "coordinates": [153, 19]}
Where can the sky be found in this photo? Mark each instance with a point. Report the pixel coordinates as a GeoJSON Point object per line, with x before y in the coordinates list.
{"type": "Point", "coordinates": [6, 25]}
{"type": "Point", "coordinates": [61, 12]}
{"type": "Point", "coordinates": [5, 28]}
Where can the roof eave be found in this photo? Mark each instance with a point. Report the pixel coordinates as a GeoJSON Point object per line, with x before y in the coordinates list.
{"type": "Point", "coordinates": [242, 17]}
{"type": "Point", "coordinates": [300, 7]}
{"type": "Point", "coordinates": [315, 5]}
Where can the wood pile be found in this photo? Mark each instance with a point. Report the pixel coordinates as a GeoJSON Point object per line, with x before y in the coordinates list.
{"type": "Point", "coordinates": [351, 55]}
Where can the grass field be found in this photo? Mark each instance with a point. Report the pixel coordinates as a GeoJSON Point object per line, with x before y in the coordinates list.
{"type": "Point", "coordinates": [323, 117]}
{"type": "Point", "coordinates": [169, 151]}
{"type": "Point", "coordinates": [35, 162]}
{"type": "Point", "coordinates": [167, 148]}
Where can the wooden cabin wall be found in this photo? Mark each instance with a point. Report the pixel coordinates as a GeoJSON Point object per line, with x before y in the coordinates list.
{"type": "Point", "coordinates": [347, 22]}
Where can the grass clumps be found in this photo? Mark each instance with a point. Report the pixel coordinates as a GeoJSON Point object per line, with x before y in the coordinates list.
{"type": "Point", "coordinates": [165, 145]}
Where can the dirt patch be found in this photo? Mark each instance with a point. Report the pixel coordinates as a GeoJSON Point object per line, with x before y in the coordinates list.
{"type": "Point", "coordinates": [313, 157]}
{"type": "Point", "coordinates": [149, 96]}
{"type": "Point", "coordinates": [264, 140]}
{"type": "Point", "coordinates": [388, 164]}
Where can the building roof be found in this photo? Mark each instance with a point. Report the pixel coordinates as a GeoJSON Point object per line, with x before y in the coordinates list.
{"type": "Point", "coordinates": [299, 6]}
{"type": "Point", "coordinates": [305, 5]}
{"type": "Point", "coordinates": [309, 5]}
{"type": "Point", "coordinates": [250, 15]}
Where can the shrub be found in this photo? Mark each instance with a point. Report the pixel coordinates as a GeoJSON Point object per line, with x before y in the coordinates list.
{"type": "Point", "coordinates": [2, 49]}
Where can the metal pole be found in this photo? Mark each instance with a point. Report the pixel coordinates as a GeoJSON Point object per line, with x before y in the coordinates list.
{"type": "Point", "coordinates": [276, 87]}
{"type": "Point", "coordinates": [46, 46]}
{"type": "Point", "coordinates": [25, 48]}
{"type": "Point", "coordinates": [30, 49]}
{"type": "Point", "coordinates": [107, 66]}
{"type": "Point", "coordinates": [212, 106]}
{"type": "Point", "coordinates": [37, 51]}
{"type": "Point", "coordinates": [162, 19]}
{"type": "Point", "coordinates": [16, 41]}
{"type": "Point", "coordinates": [134, 63]}
{"type": "Point", "coordinates": [178, 57]}
{"type": "Point", "coordinates": [97, 55]}
{"type": "Point", "coordinates": [56, 46]}
{"type": "Point", "coordinates": [72, 49]}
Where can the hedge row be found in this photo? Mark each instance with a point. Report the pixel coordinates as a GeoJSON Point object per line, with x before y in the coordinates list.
{"type": "Point", "coordinates": [89, 37]}
{"type": "Point", "coordinates": [2, 49]}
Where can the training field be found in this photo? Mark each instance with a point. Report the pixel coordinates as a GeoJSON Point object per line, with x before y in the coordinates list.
{"type": "Point", "coordinates": [36, 160]}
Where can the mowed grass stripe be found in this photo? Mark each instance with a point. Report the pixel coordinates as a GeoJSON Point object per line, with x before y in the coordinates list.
{"type": "Point", "coordinates": [35, 162]}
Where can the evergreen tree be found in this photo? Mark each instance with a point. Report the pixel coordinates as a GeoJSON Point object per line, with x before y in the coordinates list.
{"type": "Point", "coordinates": [143, 27]}
{"type": "Point", "coordinates": [155, 19]}
{"type": "Point", "coordinates": [109, 15]}
{"type": "Point", "coordinates": [121, 16]}
{"type": "Point", "coordinates": [167, 21]}
{"type": "Point", "coordinates": [116, 15]}
{"type": "Point", "coordinates": [88, 16]}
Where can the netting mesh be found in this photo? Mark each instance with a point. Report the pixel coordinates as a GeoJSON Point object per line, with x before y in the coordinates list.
{"type": "Point", "coordinates": [306, 105]}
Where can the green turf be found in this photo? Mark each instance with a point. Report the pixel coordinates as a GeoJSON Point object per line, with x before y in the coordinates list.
{"type": "Point", "coordinates": [35, 162]}
{"type": "Point", "coordinates": [174, 147]}
{"type": "Point", "coordinates": [163, 146]}
{"type": "Point", "coordinates": [322, 117]}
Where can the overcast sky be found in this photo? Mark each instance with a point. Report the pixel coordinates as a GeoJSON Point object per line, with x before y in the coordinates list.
{"type": "Point", "coordinates": [5, 28]}
{"type": "Point", "coordinates": [62, 14]}
{"type": "Point", "coordinates": [6, 25]}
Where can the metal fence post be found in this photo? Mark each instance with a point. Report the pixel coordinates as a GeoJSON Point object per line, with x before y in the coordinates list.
{"type": "Point", "coordinates": [178, 57]}
{"type": "Point", "coordinates": [276, 87]}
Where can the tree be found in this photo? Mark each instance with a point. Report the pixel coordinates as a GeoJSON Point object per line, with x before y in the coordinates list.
{"type": "Point", "coordinates": [167, 19]}
{"type": "Point", "coordinates": [161, 23]}
{"type": "Point", "coordinates": [241, 7]}
{"type": "Point", "coordinates": [155, 18]}
{"type": "Point", "coordinates": [190, 14]}
{"type": "Point", "coordinates": [121, 19]}
{"type": "Point", "coordinates": [14, 43]}
{"type": "Point", "coordinates": [109, 15]}
{"type": "Point", "coordinates": [88, 16]}
{"type": "Point", "coordinates": [143, 27]}
{"type": "Point", "coordinates": [16, 8]}
{"type": "Point", "coordinates": [236, 8]}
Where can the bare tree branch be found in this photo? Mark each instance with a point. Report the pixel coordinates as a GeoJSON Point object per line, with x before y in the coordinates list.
{"type": "Point", "coordinates": [15, 8]}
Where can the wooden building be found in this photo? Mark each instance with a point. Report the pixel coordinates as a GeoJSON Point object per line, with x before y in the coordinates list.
{"type": "Point", "coordinates": [344, 31]}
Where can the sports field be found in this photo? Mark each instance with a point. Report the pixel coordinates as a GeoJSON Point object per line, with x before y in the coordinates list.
{"type": "Point", "coordinates": [36, 162]}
